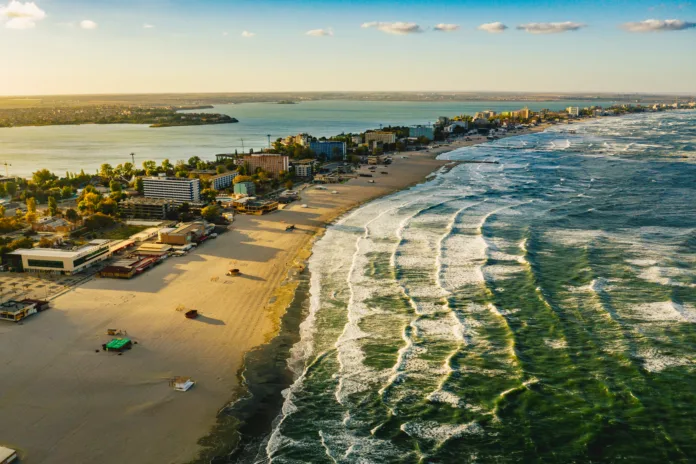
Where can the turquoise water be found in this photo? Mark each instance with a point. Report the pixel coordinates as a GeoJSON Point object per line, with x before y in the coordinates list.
{"type": "Point", "coordinates": [538, 310]}
{"type": "Point", "coordinates": [63, 148]}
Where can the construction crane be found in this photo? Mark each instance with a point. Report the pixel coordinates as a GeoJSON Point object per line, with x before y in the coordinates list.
{"type": "Point", "coordinates": [242, 145]}
{"type": "Point", "coordinates": [7, 171]}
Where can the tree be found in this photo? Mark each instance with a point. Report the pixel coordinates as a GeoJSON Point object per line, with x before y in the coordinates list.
{"type": "Point", "coordinates": [99, 221]}
{"type": "Point", "coordinates": [89, 203]}
{"type": "Point", "coordinates": [30, 217]}
{"type": "Point", "coordinates": [2, 211]}
{"type": "Point", "coordinates": [71, 215]}
{"type": "Point", "coordinates": [66, 192]}
{"type": "Point", "coordinates": [150, 167]}
{"type": "Point", "coordinates": [128, 169]}
{"type": "Point", "coordinates": [208, 195]}
{"type": "Point", "coordinates": [220, 169]}
{"type": "Point", "coordinates": [3, 190]}
{"type": "Point", "coordinates": [108, 206]}
{"type": "Point", "coordinates": [378, 151]}
{"type": "Point", "coordinates": [116, 190]}
{"type": "Point", "coordinates": [400, 146]}
{"type": "Point", "coordinates": [31, 205]}
{"type": "Point", "coordinates": [106, 171]}
{"type": "Point", "coordinates": [11, 188]}
{"type": "Point", "coordinates": [238, 179]}
{"type": "Point", "coordinates": [193, 161]}
{"type": "Point", "coordinates": [139, 185]}
{"type": "Point", "coordinates": [289, 185]}
{"type": "Point", "coordinates": [42, 177]}
{"type": "Point", "coordinates": [211, 213]}
{"type": "Point", "coordinates": [45, 242]}
{"type": "Point", "coordinates": [166, 165]}
{"type": "Point", "coordinates": [52, 206]}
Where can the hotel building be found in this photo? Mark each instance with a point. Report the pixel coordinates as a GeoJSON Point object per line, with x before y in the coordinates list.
{"type": "Point", "coordinates": [272, 164]}
{"type": "Point", "coordinates": [330, 149]}
{"type": "Point", "coordinates": [178, 189]}
{"type": "Point", "coordinates": [62, 261]}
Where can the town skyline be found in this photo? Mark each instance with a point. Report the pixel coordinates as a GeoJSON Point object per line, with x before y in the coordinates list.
{"type": "Point", "coordinates": [73, 47]}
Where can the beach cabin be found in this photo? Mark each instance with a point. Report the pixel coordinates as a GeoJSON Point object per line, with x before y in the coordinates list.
{"type": "Point", "coordinates": [118, 344]}
{"type": "Point", "coordinates": [7, 455]}
{"type": "Point", "coordinates": [182, 383]}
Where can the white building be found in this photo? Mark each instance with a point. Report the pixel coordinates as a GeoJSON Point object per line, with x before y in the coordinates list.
{"type": "Point", "coordinates": [179, 189]}
{"type": "Point", "coordinates": [303, 170]}
{"type": "Point", "coordinates": [222, 181]}
{"type": "Point", "coordinates": [63, 261]}
{"type": "Point", "coordinates": [449, 129]}
{"type": "Point", "coordinates": [573, 111]}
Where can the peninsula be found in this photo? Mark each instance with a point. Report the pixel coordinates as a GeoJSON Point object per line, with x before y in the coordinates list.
{"type": "Point", "coordinates": [165, 116]}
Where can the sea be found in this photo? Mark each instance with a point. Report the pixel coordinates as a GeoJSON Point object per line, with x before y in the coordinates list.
{"type": "Point", "coordinates": [71, 148]}
{"type": "Point", "coordinates": [538, 308]}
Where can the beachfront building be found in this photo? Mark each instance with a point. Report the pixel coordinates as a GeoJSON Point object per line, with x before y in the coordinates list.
{"type": "Point", "coordinates": [299, 139]}
{"type": "Point", "coordinates": [245, 188]}
{"type": "Point", "coordinates": [378, 138]}
{"type": "Point", "coordinates": [185, 233]}
{"type": "Point", "coordinates": [573, 111]}
{"type": "Point", "coordinates": [60, 261]}
{"type": "Point", "coordinates": [178, 189]}
{"type": "Point", "coordinates": [422, 131]}
{"type": "Point", "coordinates": [222, 181]}
{"type": "Point", "coordinates": [330, 149]}
{"type": "Point", "coordinates": [487, 114]}
{"type": "Point", "coordinates": [146, 208]}
{"type": "Point", "coordinates": [272, 164]}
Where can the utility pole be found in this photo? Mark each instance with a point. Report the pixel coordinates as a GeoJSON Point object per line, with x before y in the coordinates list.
{"type": "Point", "coordinates": [242, 145]}
{"type": "Point", "coordinates": [269, 140]}
{"type": "Point", "coordinates": [133, 158]}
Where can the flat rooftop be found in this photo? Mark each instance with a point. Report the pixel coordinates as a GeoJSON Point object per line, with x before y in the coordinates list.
{"type": "Point", "coordinates": [94, 245]}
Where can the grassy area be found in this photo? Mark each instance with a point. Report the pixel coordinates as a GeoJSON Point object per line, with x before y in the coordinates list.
{"type": "Point", "coordinates": [121, 232]}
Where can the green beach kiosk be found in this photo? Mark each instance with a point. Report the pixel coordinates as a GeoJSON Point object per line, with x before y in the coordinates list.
{"type": "Point", "coordinates": [118, 344]}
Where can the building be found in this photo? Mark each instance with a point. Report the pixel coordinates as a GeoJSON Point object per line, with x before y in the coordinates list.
{"type": "Point", "coordinates": [146, 208]}
{"type": "Point", "coordinates": [573, 111]}
{"type": "Point", "coordinates": [272, 164]}
{"type": "Point", "coordinates": [178, 189]}
{"type": "Point", "coordinates": [356, 139]}
{"type": "Point", "coordinates": [330, 149]}
{"type": "Point", "coordinates": [223, 181]}
{"type": "Point", "coordinates": [15, 311]}
{"type": "Point", "coordinates": [452, 127]}
{"type": "Point", "coordinates": [487, 114]}
{"type": "Point", "coordinates": [128, 267]}
{"type": "Point", "coordinates": [62, 261]}
{"type": "Point", "coordinates": [303, 170]}
{"type": "Point", "coordinates": [422, 131]}
{"type": "Point", "coordinates": [299, 139]}
{"type": "Point", "coordinates": [376, 138]}
{"type": "Point", "coordinates": [53, 224]}
{"type": "Point", "coordinates": [187, 233]}
{"type": "Point", "coordinates": [245, 188]}
{"type": "Point", "coordinates": [251, 206]}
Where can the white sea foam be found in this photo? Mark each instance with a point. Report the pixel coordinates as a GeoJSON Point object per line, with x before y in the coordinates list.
{"type": "Point", "coordinates": [429, 430]}
{"type": "Point", "coordinates": [665, 311]}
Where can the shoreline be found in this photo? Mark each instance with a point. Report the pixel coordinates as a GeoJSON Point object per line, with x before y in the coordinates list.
{"type": "Point", "coordinates": [234, 438]}
{"type": "Point", "coordinates": [69, 403]}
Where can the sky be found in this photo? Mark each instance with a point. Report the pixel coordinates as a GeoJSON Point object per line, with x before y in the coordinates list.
{"type": "Point", "coordinates": [152, 46]}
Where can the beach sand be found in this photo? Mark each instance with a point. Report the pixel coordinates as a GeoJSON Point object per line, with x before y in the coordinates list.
{"type": "Point", "coordinates": [61, 401]}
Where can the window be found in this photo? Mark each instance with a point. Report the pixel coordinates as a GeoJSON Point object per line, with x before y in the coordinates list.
{"type": "Point", "coordinates": [90, 256]}
{"type": "Point", "coordinates": [46, 263]}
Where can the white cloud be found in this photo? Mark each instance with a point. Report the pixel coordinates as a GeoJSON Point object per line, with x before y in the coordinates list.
{"type": "Point", "coordinates": [225, 34]}
{"type": "Point", "coordinates": [550, 28]}
{"type": "Point", "coordinates": [658, 25]}
{"type": "Point", "coordinates": [20, 15]}
{"type": "Point", "coordinates": [447, 27]}
{"type": "Point", "coordinates": [493, 28]}
{"type": "Point", "coordinates": [148, 26]}
{"type": "Point", "coordinates": [248, 35]}
{"type": "Point", "coordinates": [320, 32]}
{"type": "Point", "coordinates": [397, 28]}
{"type": "Point", "coordinates": [88, 24]}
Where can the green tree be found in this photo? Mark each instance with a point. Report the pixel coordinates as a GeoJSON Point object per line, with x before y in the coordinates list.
{"type": "Point", "coordinates": [3, 190]}
{"type": "Point", "coordinates": [220, 169]}
{"type": "Point", "coordinates": [66, 192]}
{"type": "Point", "coordinates": [11, 188]}
{"type": "Point", "coordinates": [211, 213]}
{"type": "Point", "coordinates": [167, 165]}
{"type": "Point", "coordinates": [42, 177]}
{"type": "Point", "coordinates": [139, 185]}
{"type": "Point", "coordinates": [128, 169]}
{"type": "Point", "coordinates": [106, 171]}
{"type": "Point", "coordinates": [193, 161]}
{"type": "Point", "coordinates": [71, 215]}
{"type": "Point", "coordinates": [289, 185]}
{"type": "Point", "coordinates": [116, 190]}
{"type": "Point", "coordinates": [208, 195]}
{"type": "Point", "coordinates": [31, 205]}
{"type": "Point", "coordinates": [108, 206]}
{"type": "Point", "coordinates": [52, 206]}
{"type": "Point", "coordinates": [99, 221]}
{"type": "Point", "coordinates": [150, 167]}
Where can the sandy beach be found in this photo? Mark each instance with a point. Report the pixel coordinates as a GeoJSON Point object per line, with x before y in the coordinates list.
{"type": "Point", "coordinates": [62, 401]}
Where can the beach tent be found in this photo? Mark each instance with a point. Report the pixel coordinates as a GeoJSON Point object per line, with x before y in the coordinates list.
{"type": "Point", "coordinates": [118, 344]}
{"type": "Point", "coordinates": [7, 455]}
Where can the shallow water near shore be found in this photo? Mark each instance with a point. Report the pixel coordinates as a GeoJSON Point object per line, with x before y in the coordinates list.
{"type": "Point", "coordinates": [543, 308]}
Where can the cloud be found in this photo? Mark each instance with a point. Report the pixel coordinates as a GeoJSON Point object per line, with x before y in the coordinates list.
{"type": "Point", "coordinates": [550, 28]}
{"type": "Point", "coordinates": [88, 24]}
{"type": "Point", "coordinates": [493, 28]}
{"type": "Point", "coordinates": [320, 32]}
{"type": "Point", "coordinates": [20, 15]}
{"type": "Point", "coordinates": [447, 27]}
{"type": "Point", "coordinates": [225, 34]}
{"type": "Point", "coordinates": [658, 25]}
{"type": "Point", "coordinates": [248, 35]}
{"type": "Point", "coordinates": [148, 26]}
{"type": "Point", "coordinates": [397, 28]}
